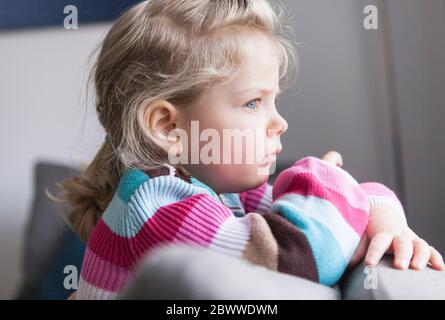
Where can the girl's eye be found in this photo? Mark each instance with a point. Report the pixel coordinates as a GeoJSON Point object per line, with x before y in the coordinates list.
{"type": "Point", "coordinates": [253, 104]}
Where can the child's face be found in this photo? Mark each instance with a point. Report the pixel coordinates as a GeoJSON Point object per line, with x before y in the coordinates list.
{"type": "Point", "coordinates": [236, 105]}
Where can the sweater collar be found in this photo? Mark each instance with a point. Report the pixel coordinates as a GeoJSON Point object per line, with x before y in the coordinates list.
{"type": "Point", "coordinates": [168, 170]}
{"type": "Point", "coordinates": [230, 200]}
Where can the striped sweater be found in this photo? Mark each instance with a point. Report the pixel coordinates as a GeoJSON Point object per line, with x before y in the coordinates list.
{"type": "Point", "coordinates": [308, 224]}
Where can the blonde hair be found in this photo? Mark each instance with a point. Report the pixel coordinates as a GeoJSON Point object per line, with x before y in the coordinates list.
{"type": "Point", "coordinates": [161, 49]}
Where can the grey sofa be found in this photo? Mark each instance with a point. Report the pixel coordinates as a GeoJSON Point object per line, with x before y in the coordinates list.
{"type": "Point", "coordinates": [184, 272]}
{"type": "Point", "coordinates": [179, 272]}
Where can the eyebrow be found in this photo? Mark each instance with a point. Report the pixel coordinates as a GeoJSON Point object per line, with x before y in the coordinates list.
{"type": "Point", "coordinates": [262, 90]}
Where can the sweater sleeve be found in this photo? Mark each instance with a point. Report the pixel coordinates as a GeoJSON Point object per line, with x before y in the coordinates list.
{"type": "Point", "coordinates": [379, 194]}
{"type": "Point", "coordinates": [328, 207]}
{"type": "Point", "coordinates": [311, 230]}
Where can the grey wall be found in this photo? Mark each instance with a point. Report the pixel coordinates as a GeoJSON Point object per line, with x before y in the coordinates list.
{"type": "Point", "coordinates": [418, 47]}
{"type": "Point", "coordinates": [341, 99]}
{"type": "Point", "coordinates": [377, 96]}
{"type": "Point", "coordinates": [42, 116]}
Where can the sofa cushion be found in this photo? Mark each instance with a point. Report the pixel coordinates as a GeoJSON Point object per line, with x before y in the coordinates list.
{"type": "Point", "coordinates": [384, 282]}
{"type": "Point", "coordinates": [46, 228]}
{"type": "Point", "coordinates": [62, 273]}
{"type": "Point", "coordinates": [186, 272]}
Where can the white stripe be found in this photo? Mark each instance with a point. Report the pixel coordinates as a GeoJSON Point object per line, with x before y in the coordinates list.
{"type": "Point", "coordinates": [263, 208]}
{"type": "Point", "coordinates": [388, 202]}
{"type": "Point", "coordinates": [87, 291]}
{"type": "Point", "coordinates": [232, 236]}
{"type": "Point", "coordinates": [266, 200]}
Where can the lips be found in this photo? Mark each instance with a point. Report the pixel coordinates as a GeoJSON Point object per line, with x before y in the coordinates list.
{"type": "Point", "coordinates": [275, 154]}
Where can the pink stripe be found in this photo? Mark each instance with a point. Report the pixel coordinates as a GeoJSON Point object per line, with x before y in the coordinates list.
{"type": "Point", "coordinates": [256, 195]}
{"type": "Point", "coordinates": [251, 206]}
{"type": "Point", "coordinates": [308, 184]}
{"type": "Point", "coordinates": [184, 233]}
{"type": "Point", "coordinates": [252, 198]}
{"type": "Point", "coordinates": [102, 274]}
{"type": "Point", "coordinates": [109, 246]}
{"type": "Point", "coordinates": [174, 213]}
{"type": "Point", "coordinates": [378, 189]}
{"type": "Point", "coordinates": [218, 214]}
{"type": "Point", "coordinates": [169, 224]}
{"type": "Point", "coordinates": [333, 178]}
{"type": "Point", "coordinates": [221, 211]}
{"type": "Point", "coordinates": [122, 251]}
{"type": "Point", "coordinates": [198, 208]}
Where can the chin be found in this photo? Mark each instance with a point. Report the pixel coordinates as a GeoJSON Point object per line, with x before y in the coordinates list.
{"type": "Point", "coordinates": [231, 179]}
{"type": "Point", "coordinates": [249, 182]}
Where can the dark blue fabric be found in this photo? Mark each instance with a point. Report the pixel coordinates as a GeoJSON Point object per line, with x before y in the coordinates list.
{"type": "Point", "coordinates": [71, 252]}
{"type": "Point", "coordinates": [36, 13]}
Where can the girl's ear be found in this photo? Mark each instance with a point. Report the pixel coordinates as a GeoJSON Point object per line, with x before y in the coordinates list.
{"type": "Point", "coordinates": [161, 118]}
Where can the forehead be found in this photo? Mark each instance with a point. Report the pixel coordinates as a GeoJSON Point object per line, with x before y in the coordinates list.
{"type": "Point", "coordinates": [259, 69]}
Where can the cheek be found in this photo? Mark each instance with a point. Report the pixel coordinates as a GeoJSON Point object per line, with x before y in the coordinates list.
{"type": "Point", "coordinates": [232, 177]}
{"type": "Point", "coordinates": [247, 151]}
{"type": "Point", "coordinates": [236, 136]}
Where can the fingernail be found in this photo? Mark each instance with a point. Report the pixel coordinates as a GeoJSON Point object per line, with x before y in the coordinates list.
{"type": "Point", "coordinates": [401, 263]}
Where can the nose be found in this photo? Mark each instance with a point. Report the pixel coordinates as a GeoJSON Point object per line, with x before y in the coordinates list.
{"type": "Point", "coordinates": [278, 124]}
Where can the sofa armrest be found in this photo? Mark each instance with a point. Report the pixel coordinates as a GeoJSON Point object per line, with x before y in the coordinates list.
{"type": "Point", "coordinates": [384, 282]}
{"type": "Point", "coordinates": [186, 272]}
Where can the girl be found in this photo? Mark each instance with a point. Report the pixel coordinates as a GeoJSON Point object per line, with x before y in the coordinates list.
{"type": "Point", "coordinates": [167, 63]}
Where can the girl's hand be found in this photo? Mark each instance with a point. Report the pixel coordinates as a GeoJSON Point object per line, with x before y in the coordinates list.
{"type": "Point", "coordinates": [333, 157]}
{"type": "Point", "coordinates": [388, 232]}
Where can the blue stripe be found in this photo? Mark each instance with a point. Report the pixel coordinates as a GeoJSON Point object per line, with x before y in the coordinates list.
{"type": "Point", "coordinates": [232, 200]}
{"type": "Point", "coordinates": [130, 181]}
{"type": "Point", "coordinates": [328, 215]}
{"type": "Point", "coordinates": [115, 215]}
{"type": "Point", "coordinates": [325, 249]}
{"type": "Point", "coordinates": [126, 220]}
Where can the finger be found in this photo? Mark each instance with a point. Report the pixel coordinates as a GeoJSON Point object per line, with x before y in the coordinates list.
{"type": "Point", "coordinates": [377, 248]}
{"type": "Point", "coordinates": [421, 254]}
{"type": "Point", "coordinates": [436, 260]}
{"type": "Point", "coordinates": [403, 251]}
{"type": "Point", "coordinates": [359, 253]}
{"type": "Point", "coordinates": [333, 157]}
